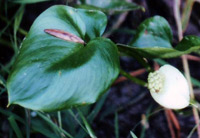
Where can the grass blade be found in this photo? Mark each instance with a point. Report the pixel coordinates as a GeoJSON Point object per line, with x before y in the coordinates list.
{"type": "Point", "coordinates": [54, 125]}
{"type": "Point", "coordinates": [116, 125]}
{"type": "Point", "coordinates": [88, 127]}
{"type": "Point", "coordinates": [10, 21]}
{"type": "Point", "coordinates": [133, 135]}
{"type": "Point", "coordinates": [192, 131]}
{"type": "Point", "coordinates": [9, 113]}
{"type": "Point", "coordinates": [15, 127]}
{"type": "Point", "coordinates": [92, 115]}
{"type": "Point", "coordinates": [97, 108]}
{"type": "Point", "coordinates": [17, 23]}
{"type": "Point", "coordinates": [2, 81]}
{"type": "Point", "coordinates": [72, 114]}
{"type": "Point", "coordinates": [27, 113]}
{"type": "Point", "coordinates": [186, 13]}
{"type": "Point", "coordinates": [59, 119]}
{"type": "Point", "coordinates": [38, 126]}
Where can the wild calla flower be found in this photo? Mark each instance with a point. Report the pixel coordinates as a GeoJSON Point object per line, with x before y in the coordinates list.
{"type": "Point", "coordinates": [169, 87]}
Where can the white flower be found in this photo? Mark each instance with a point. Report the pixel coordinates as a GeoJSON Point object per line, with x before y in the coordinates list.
{"type": "Point", "coordinates": [169, 87]}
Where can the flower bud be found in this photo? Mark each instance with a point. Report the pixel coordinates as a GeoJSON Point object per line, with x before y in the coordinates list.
{"type": "Point", "coordinates": [169, 88]}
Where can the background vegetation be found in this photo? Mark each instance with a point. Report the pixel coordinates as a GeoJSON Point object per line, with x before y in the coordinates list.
{"type": "Point", "coordinates": [127, 109]}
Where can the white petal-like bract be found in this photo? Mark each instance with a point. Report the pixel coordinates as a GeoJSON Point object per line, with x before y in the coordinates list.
{"type": "Point", "coordinates": [169, 87]}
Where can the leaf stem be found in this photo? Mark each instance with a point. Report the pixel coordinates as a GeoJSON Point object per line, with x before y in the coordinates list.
{"type": "Point", "coordinates": [133, 74]}
{"type": "Point", "coordinates": [133, 79]}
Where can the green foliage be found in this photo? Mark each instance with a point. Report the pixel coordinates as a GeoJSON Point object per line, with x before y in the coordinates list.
{"type": "Point", "coordinates": [15, 126]}
{"type": "Point", "coordinates": [187, 45]}
{"type": "Point", "coordinates": [154, 31]}
{"type": "Point", "coordinates": [87, 126]}
{"type": "Point", "coordinates": [52, 74]}
{"type": "Point", "coordinates": [110, 6]}
{"type": "Point", "coordinates": [153, 40]}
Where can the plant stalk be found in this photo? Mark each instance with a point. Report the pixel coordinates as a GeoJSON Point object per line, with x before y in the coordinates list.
{"type": "Point", "coordinates": [185, 62]}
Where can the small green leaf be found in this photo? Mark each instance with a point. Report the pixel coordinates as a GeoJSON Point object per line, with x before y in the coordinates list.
{"type": "Point", "coordinates": [52, 74]}
{"type": "Point", "coordinates": [187, 45]}
{"type": "Point", "coordinates": [153, 40]}
{"type": "Point", "coordinates": [110, 6]}
{"type": "Point", "coordinates": [154, 31]}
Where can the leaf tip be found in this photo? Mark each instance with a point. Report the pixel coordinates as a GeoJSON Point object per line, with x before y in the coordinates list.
{"type": "Point", "coordinates": [10, 101]}
{"type": "Point", "coordinates": [8, 105]}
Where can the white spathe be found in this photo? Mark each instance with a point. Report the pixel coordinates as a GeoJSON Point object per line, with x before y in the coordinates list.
{"type": "Point", "coordinates": [169, 87]}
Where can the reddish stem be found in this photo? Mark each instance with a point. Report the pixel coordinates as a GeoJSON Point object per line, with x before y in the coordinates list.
{"type": "Point", "coordinates": [169, 122]}
{"type": "Point", "coordinates": [175, 122]}
{"type": "Point", "coordinates": [193, 58]}
{"type": "Point", "coordinates": [133, 73]}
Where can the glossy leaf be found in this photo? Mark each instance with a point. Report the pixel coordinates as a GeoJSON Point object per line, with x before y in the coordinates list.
{"type": "Point", "coordinates": [53, 74]}
{"type": "Point", "coordinates": [154, 31]}
{"type": "Point", "coordinates": [187, 45]}
{"type": "Point", "coordinates": [110, 6]}
{"type": "Point", "coordinates": [153, 40]}
{"type": "Point", "coordinates": [96, 22]}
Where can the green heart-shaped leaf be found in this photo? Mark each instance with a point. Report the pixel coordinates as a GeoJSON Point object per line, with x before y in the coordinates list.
{"type": "Point", "coordinates": [52, 74]}
{"type": "Point", "coordinates": [154, 31]}
{"type": "Point", "coordinates": [187, 45]}
{"type": "Point", "coordinates": [153, 40]}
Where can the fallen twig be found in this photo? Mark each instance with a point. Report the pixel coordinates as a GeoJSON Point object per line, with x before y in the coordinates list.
{"type": "Point", "coordinates": [193, 58]}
